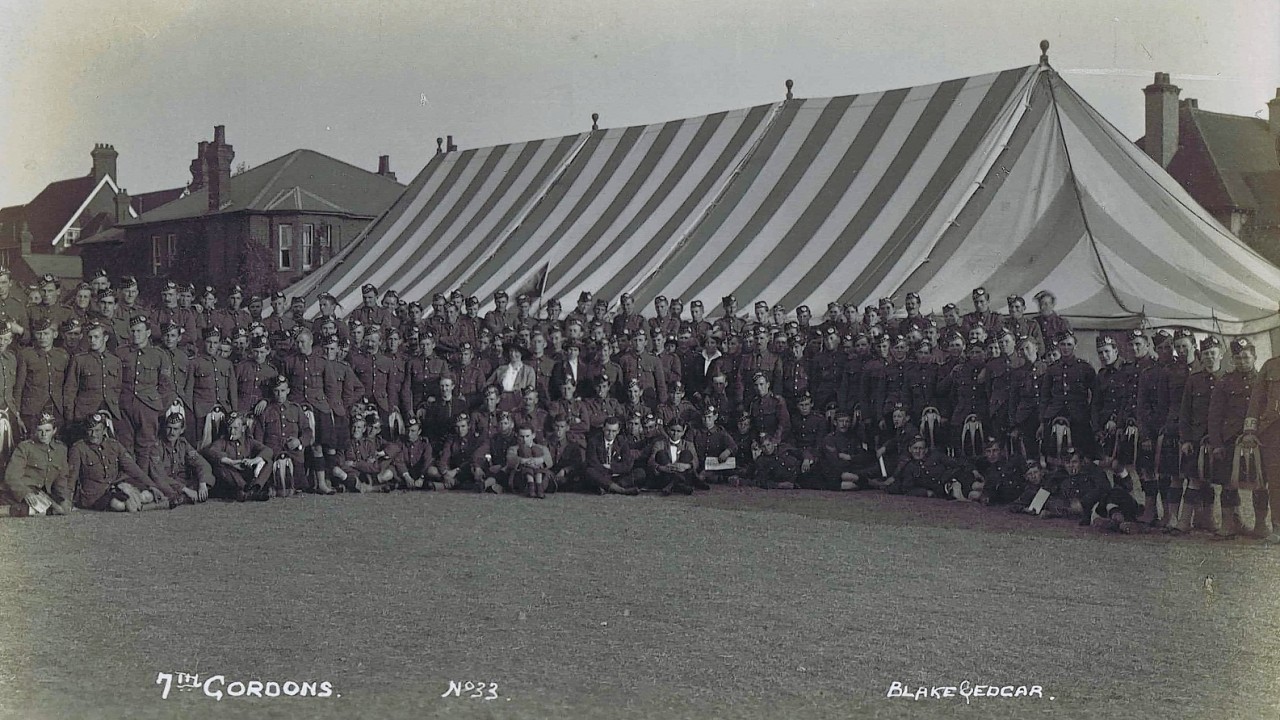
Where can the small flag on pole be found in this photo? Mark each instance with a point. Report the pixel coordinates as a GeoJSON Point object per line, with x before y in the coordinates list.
{"type": "Point", "coordinates": [535, 286]}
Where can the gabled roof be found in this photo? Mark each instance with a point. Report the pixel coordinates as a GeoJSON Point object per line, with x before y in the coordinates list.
{"type": "Point", "coordinates": [1219, 153]}
{"type": "Point", "coordinates": [147, 202]}
{"type": "Point", "coordinates": [303, 180]}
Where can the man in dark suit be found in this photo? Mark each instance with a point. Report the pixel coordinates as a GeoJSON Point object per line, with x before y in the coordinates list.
{"type": "Point", "coordinates": [610, 466]}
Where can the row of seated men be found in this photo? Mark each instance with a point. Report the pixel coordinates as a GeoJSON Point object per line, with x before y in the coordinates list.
{"type": "Point", "coordinates": [677, 456]}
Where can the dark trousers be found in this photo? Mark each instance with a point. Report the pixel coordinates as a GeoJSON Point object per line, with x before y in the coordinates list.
{"type": "Point", "coordinates": [598, 477]}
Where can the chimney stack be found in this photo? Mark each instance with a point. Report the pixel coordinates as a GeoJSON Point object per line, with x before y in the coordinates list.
{"type": "Point", "coordinates": [197, 167]}
{"type": "Point", "coordinates": [104, 162]}
{"type": "Point", "coordinates": [1161, 140]}
{"type": "Point", "coordinates": [218, 156]}
{"type": "Point", "coordinates": [122, 205]}
{"type": "Point", "coordinates": [384, 167]}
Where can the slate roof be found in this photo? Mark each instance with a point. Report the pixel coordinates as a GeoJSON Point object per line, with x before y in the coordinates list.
{"type": "Point", "coordinates": [302, 180]}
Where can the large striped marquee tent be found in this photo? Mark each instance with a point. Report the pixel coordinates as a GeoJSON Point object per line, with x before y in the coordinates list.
{"type": "Point", "coordinates": [1009, 181]}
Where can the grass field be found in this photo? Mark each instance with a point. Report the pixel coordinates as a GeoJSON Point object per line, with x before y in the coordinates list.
{"type": "Point", "coordinates": [736, 604]}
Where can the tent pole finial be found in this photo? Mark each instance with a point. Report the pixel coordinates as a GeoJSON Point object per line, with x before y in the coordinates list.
{"type": "Point", "coordinates": [439, 145]}
{"type": "Point", "coordinates": [790, 84]}
{"type": "Point", "coordinates": [1044, 53]}
{"type": "Point", "coordinates": [595, 121]}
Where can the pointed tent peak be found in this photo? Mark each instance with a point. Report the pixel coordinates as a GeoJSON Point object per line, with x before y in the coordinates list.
{"type": "Point", "coordinates": [790, 84]}
{"type": "Point", "coordinates": [595, 121]}
{"type": "Point", "coordinates": [1044, 53]}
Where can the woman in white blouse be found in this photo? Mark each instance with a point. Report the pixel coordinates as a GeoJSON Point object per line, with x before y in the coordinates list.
{"type": "Point", "coordinates": [513, 377]}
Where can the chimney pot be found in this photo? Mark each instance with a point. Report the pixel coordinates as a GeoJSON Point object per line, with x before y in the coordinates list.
{"type": "Point", "coordinates": [219, 134]}
{"type": "Point", "coordinates": [104, 162]}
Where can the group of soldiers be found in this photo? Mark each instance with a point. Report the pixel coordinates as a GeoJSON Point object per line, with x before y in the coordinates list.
{"type": "Point", "coordinates": [194, 399]}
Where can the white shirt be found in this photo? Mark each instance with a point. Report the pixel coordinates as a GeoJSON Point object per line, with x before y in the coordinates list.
{"type": "Point", "coordinates": [509, 378]}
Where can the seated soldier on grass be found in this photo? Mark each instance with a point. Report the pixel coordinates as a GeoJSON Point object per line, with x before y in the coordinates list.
{"type": "Point", "coordinates": [106, 477]}
{"type": "Point", "coordinates": [712, 441]}
{"type": "Point", "coordinates": [930, 474]}
{"type": "Point", "coordinates": [178, 461]}
{"type": "Point", "coordinates": [241, 465]}
{"type": "Point", "coordinates": [501, 439]}
{"type": "Point", "coordinates": [413, 458]}
{"type": "Point", "coordinates": [568, 459]}
{"type": "Point", "coordinates": [673, 463]}
{"type": "Point", "coordinates": [460, 458]}
{"type": "Point", "coordinates": [842, 463]}
{"type": "Point", "coordinates": [1003, 477]}
{"type": "Point", "coordinates": [769, 468]}
{"type": "Point", "coordinates": [1033, 477]}
{"type": "Point", "coordinates": [528, 464]}
{"type": "Point", "coordinates": [37, 480]}
{"type": "Point", "coordinates": [363, 465]}
{"type": "Point", "coordinates": [610, 465]}
{"type": "Point", "coordinates": [1081, 482]}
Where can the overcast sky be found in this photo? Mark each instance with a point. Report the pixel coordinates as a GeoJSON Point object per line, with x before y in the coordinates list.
{"type": "Point", "coordinates": [153, 77]}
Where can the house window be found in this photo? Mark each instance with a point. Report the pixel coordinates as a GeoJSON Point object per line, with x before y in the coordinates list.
{"type": "Point", "coordinates": [73, 234]}
{"type": "Point", "coordinates": [308, 246]}
{"type": "Point", "coordinates": [5, 260]}
{"type": "Point", "coordinates": [284, 235]}
{"type": "Point", "coordinates": [171, 253]}
{"type": "Point", "coordinates": [326, 231]}
{"type": "Point", "coordinates": [157, 257]}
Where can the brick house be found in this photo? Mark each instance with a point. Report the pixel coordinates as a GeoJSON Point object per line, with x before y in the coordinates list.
{"type": "Point", "coordinates": [41, 236]}
{"type": "Point", "coordinates": [1229, 163]}
{"type": "Point", "coordinates": [263, 228]}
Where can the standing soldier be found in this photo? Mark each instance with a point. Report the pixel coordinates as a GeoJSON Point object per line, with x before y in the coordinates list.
{"type": "Point", "coordinates": [768, 411]}
{"type": "Point", "coordinates": [500, 317]}
{"type": "Point", "coordinates": [1178, 358]}
{"type": "Point", "coordinates": [997, 375]}
{"type": "Point", "coordinates": [93, 380]}
{"type": "Point", "coordinates": [180, 361]}
{"type": "Point", "coordinates": [1229, 407]}
{"type": "Point", "coordinates": [1114, 404]}
{"type": "Point", "coordinates": [1019, 324]}
{"type": "Point", "coordinates": [171, 312]}
{"type": "Point", "coordinates": [645, 367]}
{"type": "Point", "coordinates": [308, 374]}
{"type": "Point", "coordinates": [968, 392]}
{"type": "Point", "coordinates": [10, 421]}
{"type": "Point", "coordinates": [146, 380]}
{"type": "Point", "coordinates": [791, 373]}
{"type": "Point", "coordinates": [328, 313]}
{"type": "Point", "coordinates": [48, 306]}
{"type": "Point", "coordinates": [254, 378]}
{"type": "Point", "coordinates": [1067, 392]}
{"type": "Point", "coordinates": [369, 312]}
{"type": "Point", "coordinates": [213, 385]}
{"type": "Point", "coordinates": [1152, 411]}
{"type": "Point", "coordinates": [1052, 325]}
{"type": "Point", "coordinates": [42, 369]}
{"type": "Point", "coordinates": [391, 390]}
{"type": "Point", "coordinates": [1196, 451]}
{"type": "Point", "coordinates": [12, 306]}
{"type": "Point", "coordinates": [827, 368]}
{"type": "Point", "coordinates": [280, 320]}
{"type": "Point", "coordinates": [425, 370]}
{"type": "Point", "coordinates": [1025, 385]}
{"type": "Point", "coordinates": [129, 302]}
{"type": "Point", "coordinates": [283, 427]}
{"type": "Point", "coordinates": [731, 324]}
{"type": "Point", "coordinates": [1262, 421]}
